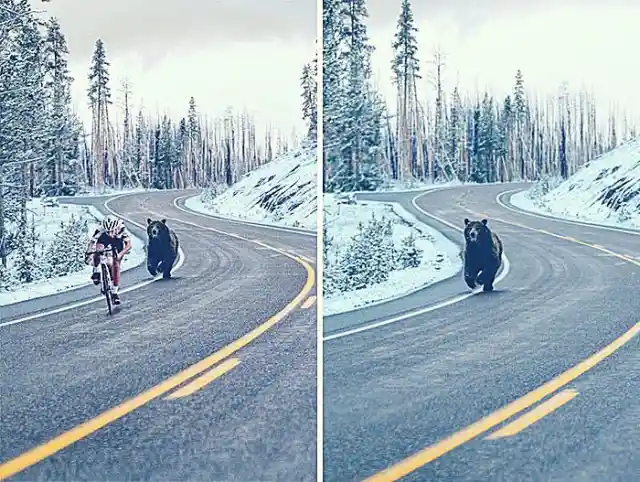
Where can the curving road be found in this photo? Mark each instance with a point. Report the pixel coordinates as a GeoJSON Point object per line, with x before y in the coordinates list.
{"type": "Point", "coordinates": [424, 398]}
{"type": "Point", "coordinates": [88, 397]}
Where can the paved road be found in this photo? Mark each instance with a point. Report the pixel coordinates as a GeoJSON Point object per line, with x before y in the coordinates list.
{"type": "Point", "coordinates": [393, 391]}
{"type": "Point", "coordinates": [255, 422]}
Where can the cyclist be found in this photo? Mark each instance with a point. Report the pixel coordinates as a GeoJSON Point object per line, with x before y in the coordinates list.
{"type": "Point", "coordinates": [112, 233]}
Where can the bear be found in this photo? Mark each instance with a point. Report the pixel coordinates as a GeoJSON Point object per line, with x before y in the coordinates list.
{"type": "Point", "coordinates": [482, 254]}
{"type": "Point", "coordinates": [162, 248]}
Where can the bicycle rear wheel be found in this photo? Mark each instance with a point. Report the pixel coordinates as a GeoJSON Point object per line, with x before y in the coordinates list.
{"type": "Point", "coordinates": [106, 286]}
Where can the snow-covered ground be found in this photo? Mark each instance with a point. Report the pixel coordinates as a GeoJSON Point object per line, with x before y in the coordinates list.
{"type": "Point", "coordinates": [108, 191]}
{"type": "Point", "coordinates": [282, 192]}
{"type": "Point", "coordinates": [440, 257]}
{"type": "Point", "coordinates": [604, 191]}
{"type": "Point", "coordinates": [47, 223]}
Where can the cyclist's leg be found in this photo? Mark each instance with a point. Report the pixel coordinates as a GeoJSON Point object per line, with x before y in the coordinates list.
{"type": "Point", "coordinates": [95, 276]}
{"type": "Point", "coordinates": [115, 271]}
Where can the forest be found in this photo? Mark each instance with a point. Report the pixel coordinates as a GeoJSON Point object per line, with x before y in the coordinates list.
{"type": "Point", "coordinates": [45, 149]}
{"type": "Point", "coordinates": [468, 137]}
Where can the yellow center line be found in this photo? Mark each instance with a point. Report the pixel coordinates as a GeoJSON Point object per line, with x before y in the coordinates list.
{"type": "Point", "coordinates": [308, 302]}
{"type": "Point", "coordinates": [41, 452]}
{"type": "Point", "coordinates": [204, 379]}
{"type": "Point", "coordinates": [472, 431]}
{"type": "Point", "coordinates": [534, 415]}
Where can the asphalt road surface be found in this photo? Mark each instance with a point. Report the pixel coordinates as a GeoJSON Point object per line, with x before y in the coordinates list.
{"type": "Point", "coordinates": [434, 386]}
{"type": "Point", "coordinates": [252, 415]}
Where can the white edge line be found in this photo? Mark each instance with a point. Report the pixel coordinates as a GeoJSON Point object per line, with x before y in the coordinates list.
{"type": "Point", "coordinates": [506, 267]}
{"type": "Point", "coordinates": [287, 229]}
{"type": "Point", "coordinates": [181, 259]}
{"type": "Point", "coordinates": [559, 219]}
{"type": "Point", "coordinates": [293, 256]}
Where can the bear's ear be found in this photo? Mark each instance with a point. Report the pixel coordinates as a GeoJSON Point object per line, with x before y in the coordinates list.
{"type": "Point", "coordinates": [466, 221]}
{"type": "Point", "coordinates": [164, 221]}
{"type": "Point", "coordinates": [484, 221]}
{"type": "Point", "coordinates": [148, 221]}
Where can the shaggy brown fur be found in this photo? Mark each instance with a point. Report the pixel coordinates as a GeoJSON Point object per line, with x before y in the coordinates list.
{"type": "Point", "coordinates": [482, 254]}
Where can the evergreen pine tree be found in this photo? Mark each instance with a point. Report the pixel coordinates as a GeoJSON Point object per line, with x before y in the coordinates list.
{"type": "Point", "coordinates": [405, 47]}
{"type": "Point", "coordinates": [486, 140]}
{"type": "Point", "coordinates": [62, 135]}
{"type": "Point", "coordinates": [99, 95]}
{"type": "Point", "coordinates": [333, 74]}
{"type": "Point", "coordinates": [361, 112]}
{"type": "Point", "coordinates": [309, 99]}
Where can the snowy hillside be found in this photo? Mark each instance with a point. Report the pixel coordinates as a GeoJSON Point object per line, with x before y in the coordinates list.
{"type": "Point", "coordinates": [282, 192]}
{"type": "Point", "coordinates": [606, 191]}
{"type": "Point", "coordinates": [392, 256]}
{"type": "Point", "coordinates": [51, 259]}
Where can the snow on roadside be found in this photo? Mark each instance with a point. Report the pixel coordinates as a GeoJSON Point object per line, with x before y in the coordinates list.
{"type": "Point", "coordinates": [604, 191]}
{"type": "Point", "coordinates": [440, 257]}
{"type": "Point", "coordinates": [282, 192]}
{"type": "Point", "coordinates": [108, 191]}
{"type": "Point", "coordinates": [48, 219]}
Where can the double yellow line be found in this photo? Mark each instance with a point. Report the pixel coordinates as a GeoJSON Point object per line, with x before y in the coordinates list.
{"type": "Point", "coordinates": [492, 420]}
{"type": "Point", "coordinates": [79, 432]}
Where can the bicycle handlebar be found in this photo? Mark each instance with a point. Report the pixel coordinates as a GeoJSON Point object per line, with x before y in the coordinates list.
{"type": "Point", "coordinates": [105, 250]}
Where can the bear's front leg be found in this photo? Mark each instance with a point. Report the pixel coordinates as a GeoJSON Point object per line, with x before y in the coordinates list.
{"type": "Point", "coordinates": [152, 267]}
{"type": "Point", "coordinates": [489, 277]}
{"type": "Point", "coordinates": [166, 269]}
{"type": "Point", "coordinates": [470, 279]}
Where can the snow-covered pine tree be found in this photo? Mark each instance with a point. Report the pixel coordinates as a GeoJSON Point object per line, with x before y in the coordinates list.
{"type": "Point", "coordinates": [478, 171]}
{"type": "Point", "coordinates": [126, 152]}
{"type": "Point", "coordinates": [26, 267]}
{"type": "Point", "coordinates": [520, 109]}
{"type": "Point", "coordinates": [409, 255]}
{"type": "Point", "coordinates": [455, 134]}
{"type": "Point", "coordinates": [486, 140]}
{"type": "Point", "coordinates": [62, 136]}
{"type": "Point", "coordinates": [440, 167]}
{"type": "Point", "coordinates": [99, 94]}
{"type": "Point", "coordinates": [333, 91]}
{"type": "Point", "coordinates": [361, 111]}
{"type": "Point", "coordinates": [194, 140]}
{"type": "Point", "coordinates": [166, 155]}
{"type": "Point", "coordinates": [65, 251]}
{"type": "Point", "coordinates": [309, 99]}
{"type": "Point", "coordinates": [22, 124]}
{"type": "Point", "coordinates": [405, 69]}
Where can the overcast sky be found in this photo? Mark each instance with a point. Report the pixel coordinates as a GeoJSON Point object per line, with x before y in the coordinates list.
{"type": "Point", "coordinates": [584, 42]}
{"type": "Point", "coordinates": [223, 52]}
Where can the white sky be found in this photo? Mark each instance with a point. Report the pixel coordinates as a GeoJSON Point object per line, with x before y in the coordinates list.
{"type": "Point", "coordinates": [591, 45]}
{"type": "Point", "coordinates": [237, 53]}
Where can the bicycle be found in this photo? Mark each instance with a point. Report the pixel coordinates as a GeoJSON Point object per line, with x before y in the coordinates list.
{"type": "Point", "coordinates": [106, 259]}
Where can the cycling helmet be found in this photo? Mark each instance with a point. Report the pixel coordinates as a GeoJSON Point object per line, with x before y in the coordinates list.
{"type": "Point", "coordinates": [112, 224]}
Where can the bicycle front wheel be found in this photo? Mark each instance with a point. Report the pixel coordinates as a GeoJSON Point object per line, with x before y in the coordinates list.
{"type": "Point", "coordinates": [106, 286]}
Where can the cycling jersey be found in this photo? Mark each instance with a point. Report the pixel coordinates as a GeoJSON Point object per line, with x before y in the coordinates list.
{"type": "Point", "coordinates": [100, 236]}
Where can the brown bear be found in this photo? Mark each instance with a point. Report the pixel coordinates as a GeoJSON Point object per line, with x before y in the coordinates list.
{"type": "Point", "coordinates": [482, 254]}
{"type": "Point", "coordinates": [162, 248]}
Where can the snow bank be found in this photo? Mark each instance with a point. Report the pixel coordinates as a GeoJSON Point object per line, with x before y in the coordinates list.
{"type": "Point", "coordinates": [440, 257]}
{"type": "Point", "coordinates": [282, 192]}
{"type": "Point", "coordinates": [47, 223]}
{"type": "Point", "coordinates": [108, 191]}
{"type": "Point", "coordinates": [604, 191]}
